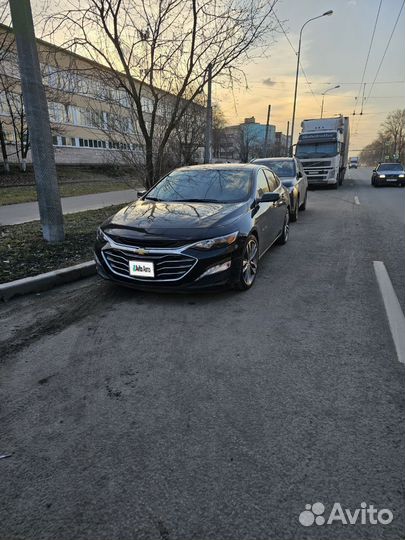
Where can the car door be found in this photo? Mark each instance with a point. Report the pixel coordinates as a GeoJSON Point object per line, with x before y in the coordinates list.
{"type": "Point", "coordinates": [263, 212]}
{"type": "Point", "coordinates": [279, 207]}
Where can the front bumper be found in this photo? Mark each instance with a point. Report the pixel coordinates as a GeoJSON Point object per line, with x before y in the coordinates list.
{"type": "Point", "coordinates": [193, 278]}
{"type": "Point", "coordinates": [389, 181]}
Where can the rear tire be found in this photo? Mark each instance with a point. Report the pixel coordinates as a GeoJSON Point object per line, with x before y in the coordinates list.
{"type": "Point", "coordinates": [249, 264]}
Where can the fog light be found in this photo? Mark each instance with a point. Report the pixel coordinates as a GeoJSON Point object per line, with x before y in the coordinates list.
{"type": "Point", "coordinates": [215, 269]}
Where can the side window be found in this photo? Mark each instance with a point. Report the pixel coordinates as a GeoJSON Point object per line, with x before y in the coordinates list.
{"type": "Point", "coordinates": [262, 185]}
{"type": "Point", "coordinates": [273, 180]}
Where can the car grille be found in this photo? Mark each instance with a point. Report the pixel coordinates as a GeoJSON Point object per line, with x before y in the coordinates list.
{"type": "Point", "coordinates": [391, 176]}
{"type": "Point", "coordinates": [317, 175]}
{"type": "Point", "coordinates": [168, 266]}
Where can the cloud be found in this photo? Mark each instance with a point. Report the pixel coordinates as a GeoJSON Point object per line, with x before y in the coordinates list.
{"type": "Point", "coordinates": [352, 3]}
{"type": "Point", "coordinates": [269, 82]}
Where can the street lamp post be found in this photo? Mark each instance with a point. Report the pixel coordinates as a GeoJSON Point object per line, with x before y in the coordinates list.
{"type": "Point", "coordinates": [330, 12]}
{"type": "Point", "coordinates": [323, 96]}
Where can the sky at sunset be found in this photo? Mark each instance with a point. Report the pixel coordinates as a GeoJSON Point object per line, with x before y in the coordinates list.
{"type": "Point", "coordinates": [334, 51]}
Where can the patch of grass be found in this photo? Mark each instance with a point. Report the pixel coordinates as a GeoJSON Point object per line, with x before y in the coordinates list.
{"type": "Point", "coordinates": [22, 194]}
{"type": "Point", "coordinates": [24, 253]}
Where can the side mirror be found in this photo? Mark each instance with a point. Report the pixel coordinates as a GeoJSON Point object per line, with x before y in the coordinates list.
{"type": "Point", "coordinates": [299, 174]}
{"type": "Point", "coordinates": [374, 170]}
{"type": "Point", "coordinates": [270, 197]}
{"type": "Point", "coordinates": [140, 194]}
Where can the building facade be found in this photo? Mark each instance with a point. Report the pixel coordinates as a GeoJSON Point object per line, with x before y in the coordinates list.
{"type": "Point", "coordinates": [93, 121]}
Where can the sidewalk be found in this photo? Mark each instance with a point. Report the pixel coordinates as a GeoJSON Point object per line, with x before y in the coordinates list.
{"type": "Point", "coordinates": [13, 214]}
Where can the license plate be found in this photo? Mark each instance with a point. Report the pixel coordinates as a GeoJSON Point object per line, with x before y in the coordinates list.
{"type": "Point", "coordinates": [141, 269]}
{"type": "Point", "coordinates": [391, 179]}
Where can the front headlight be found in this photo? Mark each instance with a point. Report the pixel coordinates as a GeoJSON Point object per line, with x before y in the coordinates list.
{"type": "Point", "coordinates": [214, 243]}
{"type": "Point", "coordinates": [101, 236]}
{"type": "Point", "coordinates": [401, 176]}
{"type": "Point", "coordinates": [381, 175]}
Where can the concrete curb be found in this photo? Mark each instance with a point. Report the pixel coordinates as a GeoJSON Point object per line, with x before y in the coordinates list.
{"type": "Point", "coordinates": [42, 282]}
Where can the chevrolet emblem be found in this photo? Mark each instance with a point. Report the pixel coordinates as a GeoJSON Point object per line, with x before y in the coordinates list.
{"type": "Point", "coordinates": [141, 251]}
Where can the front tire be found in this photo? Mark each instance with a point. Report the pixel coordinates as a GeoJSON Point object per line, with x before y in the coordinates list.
{"type": "Point", "coordinates": [249, 264]}
{"type": "Point", "coordinates": [285, 233]}
{"type": "Point", "coordinates": [294, 214]}
{"type": "Point", "coordinates": [304, 204]}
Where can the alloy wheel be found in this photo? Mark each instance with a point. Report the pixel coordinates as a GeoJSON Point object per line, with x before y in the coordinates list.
{"type": "Point", "coordinates": [249, 263]}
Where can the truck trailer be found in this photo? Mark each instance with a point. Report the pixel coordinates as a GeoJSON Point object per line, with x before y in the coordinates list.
{"type": "Point", "coordinates": [322, 148]}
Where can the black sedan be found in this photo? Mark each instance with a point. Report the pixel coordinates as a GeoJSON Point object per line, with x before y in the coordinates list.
{"type": "Point", "coordinates": [198, 227]}
{"type": "Point", "coordinates": [388, 174]}
{"type": "Point", "coordinates": [293, 177]}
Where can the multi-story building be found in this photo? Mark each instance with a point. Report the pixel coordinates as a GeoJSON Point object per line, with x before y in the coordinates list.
{"type": "Point", "coordinates": [92, 118]}
{"type": "Point", "coordinates": [246, 141]}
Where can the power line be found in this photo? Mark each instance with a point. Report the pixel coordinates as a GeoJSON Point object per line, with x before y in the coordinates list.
{"type": "Point", "coordinates": [386, 49]}
{"type": "Point", "coordinates": [368, 55]}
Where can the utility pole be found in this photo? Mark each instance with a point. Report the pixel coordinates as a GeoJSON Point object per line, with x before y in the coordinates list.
{"type": "Point", "coordinates": [208, 124]}
{"type": "Point", "coordinates": [327, 13]}
{"type": "Point", "coordinates": [288, 134]}
{"type": "Point", "coordinates": [36, 106]}
{"type": "Point", "coordinates": [266, 137]}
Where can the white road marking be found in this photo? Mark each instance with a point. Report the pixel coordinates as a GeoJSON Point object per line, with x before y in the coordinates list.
{"type": "Point", "coordinates": [356, 200]}
{"type": "Point", "coordinates": [393, 309]}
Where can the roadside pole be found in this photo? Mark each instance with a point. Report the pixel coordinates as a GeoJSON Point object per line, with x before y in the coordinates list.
{"type": "Point", "coordinates": [43, 159]}
{"type": "Point", "coordinates": [208, 124]}
{"type": "Point", "coordinates": [288, 136]}
{"type": "Point", "coordinates": [266, 137]}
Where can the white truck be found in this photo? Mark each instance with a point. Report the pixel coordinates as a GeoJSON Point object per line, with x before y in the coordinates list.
{"type": "Point", "coordinates": [322, 148]}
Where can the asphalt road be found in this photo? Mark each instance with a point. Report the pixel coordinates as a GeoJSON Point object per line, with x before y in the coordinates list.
{"type": "Point", "coordinates": [136, 416]}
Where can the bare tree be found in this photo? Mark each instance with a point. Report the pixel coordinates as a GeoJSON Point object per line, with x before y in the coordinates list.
{"type": "Point", "coordinates": [4, 48]}
{"type": "Point", "coordinates": [394, 129]}
{"type": "Point", "coordinates": [247, 144]}
{"type": "Point", "coordinates": [390, 142]}
{"type": "Point", "coordinates": [218, 133]}
{"type": "Point", "coordinates": [159, 50]}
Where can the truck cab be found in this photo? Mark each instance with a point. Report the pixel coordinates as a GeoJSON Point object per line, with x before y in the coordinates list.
{"type": "Point", "coordinates": [322, 149]}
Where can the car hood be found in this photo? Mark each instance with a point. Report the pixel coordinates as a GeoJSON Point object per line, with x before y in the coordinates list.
{"type": "Point", "coordinates": [182, 218]}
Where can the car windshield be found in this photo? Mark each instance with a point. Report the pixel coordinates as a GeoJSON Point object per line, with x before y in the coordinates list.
{"type": "Point", "coordinates": [390, 167]}
{"type": "Point", "coordinates": [282, 167]}
{"type": "Point", "coordinates": [204, 185]}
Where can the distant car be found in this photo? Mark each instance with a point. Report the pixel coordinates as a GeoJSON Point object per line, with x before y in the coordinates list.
{"type": "Point", "coordinates": [198, 227]}
{"type": "Point", "coordinates": [293, 177]}
{"type": "Point", "coordinates": [388, 174]}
